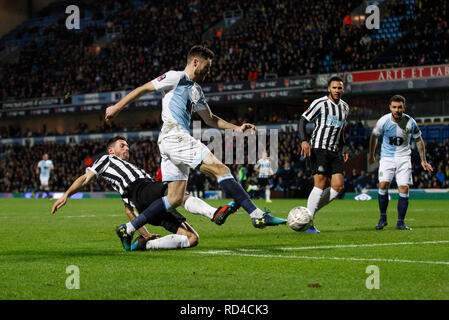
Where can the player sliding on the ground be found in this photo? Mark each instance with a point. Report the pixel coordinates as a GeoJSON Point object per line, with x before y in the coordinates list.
{"type": "Point", "coordinates": [181, 96]}
{"type": "Point", "coordinates": [138, 191]}
{"type": "Point", "coordinates": [397, 128]}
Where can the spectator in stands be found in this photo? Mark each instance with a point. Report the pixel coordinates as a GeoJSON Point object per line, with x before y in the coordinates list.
{"type": "Point", "coordinates": [441, 175]}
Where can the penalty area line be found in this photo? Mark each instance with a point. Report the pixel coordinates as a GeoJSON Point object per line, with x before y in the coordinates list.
{"type": "Point", "coordinates": [367, 245]}
{"type": "Point", "coordinates": [227, 253]}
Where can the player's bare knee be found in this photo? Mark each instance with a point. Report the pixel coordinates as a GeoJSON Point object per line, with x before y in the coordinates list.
{"type": "Point", "coordinates": [320, 184]}
{"type": "Point", "coordinates": [403, 189]}
{"type": "Point", "coordinates": [219, 169]}
{"type": "Point", "coordinates": [222, 169]}
{"type": "Point", "coordinates": [175, 200]}
{"type": "Point", "coordinates": [338, 188]}
{"type": "Point", "coordinates": [384, 185]}
{"type": "Point", "coordinates": [194, 239]}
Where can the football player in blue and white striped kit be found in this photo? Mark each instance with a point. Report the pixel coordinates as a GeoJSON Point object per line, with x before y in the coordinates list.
{"type": "Point", "coordinates": [397, 128]}
{"type": "Point", "coordinates": [180, 152]}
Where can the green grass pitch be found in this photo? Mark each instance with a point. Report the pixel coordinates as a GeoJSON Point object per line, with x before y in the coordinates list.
{"type": "Point", "coordinates": [234, 261]}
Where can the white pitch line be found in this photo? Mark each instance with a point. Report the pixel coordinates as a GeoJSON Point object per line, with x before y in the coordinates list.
{"type": "Point", "coordinates": [239, 252]}
{"type": "Point", "coordinates": [366, 245]}
{"type": "Point", "coordinates": [347, 246]}
{"type": "Point", "coordinates": [323, 258]}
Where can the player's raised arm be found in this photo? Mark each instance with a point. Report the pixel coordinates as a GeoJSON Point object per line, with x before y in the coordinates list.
{"type": "Point", "coordinates": [114, 110]}
{"type": "Point", "coordinates": [216, 122]}
{"type": "Point", "coordinates": [76, 185]}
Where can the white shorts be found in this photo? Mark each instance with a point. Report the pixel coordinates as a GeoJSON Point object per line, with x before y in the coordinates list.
{"type": "Point", "coordinates": [401, 168]}
{"type": "Point", "coordinates": [180, 152]}
{"type": "Point", "coordinates": [44, 181]}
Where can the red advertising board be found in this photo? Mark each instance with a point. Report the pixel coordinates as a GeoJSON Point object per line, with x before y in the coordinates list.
{"type": "Point", "coordinates": [408, 73]}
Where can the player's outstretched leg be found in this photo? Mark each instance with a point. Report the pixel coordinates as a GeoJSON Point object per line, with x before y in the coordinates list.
{"type": "Point", "coordinates": [402, 211]}
{"type": "Point", "coordinates": [124, 236]}
{"type": "Point", "coordinates": [267, 220]}
{"type": "Point", "coordinates": [169, 242]}
{"type": "Point", "coordinates": [259, 218]}
{"type": "Point", "coordinates": [152, 214]}
{"type": "Point", "coordinates": [185, 237]}
{"type": "Point", "coordinates": [383, 205]}
{"type": "Point", "coordinates": [213, 167]}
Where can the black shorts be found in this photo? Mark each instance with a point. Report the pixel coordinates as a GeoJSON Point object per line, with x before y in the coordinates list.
{"type": "Point", "coordinates": [262, 182]}
{"type": "Point", "coordinates": [143, 192]}
{"type": "Point", "coordinates": [326, 162]}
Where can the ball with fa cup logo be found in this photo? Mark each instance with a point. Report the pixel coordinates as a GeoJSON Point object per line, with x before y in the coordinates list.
{"type": "Point", "coordinates": [300, 218]}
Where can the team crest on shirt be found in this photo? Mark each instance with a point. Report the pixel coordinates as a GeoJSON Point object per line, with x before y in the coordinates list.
{"type": "Point", "coordinates": [320, 169]}
{"type": "Point", "coordinates": [161, 77]}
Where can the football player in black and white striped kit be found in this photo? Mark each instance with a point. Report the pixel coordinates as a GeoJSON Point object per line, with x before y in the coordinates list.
{"type": "Point", "coordinates": [329, 115]}
{"type": "Point", "coordinates": [138, 190]}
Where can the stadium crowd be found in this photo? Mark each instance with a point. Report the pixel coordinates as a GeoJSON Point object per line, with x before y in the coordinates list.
{"type": "Point", "coordinates": [286, 38]}
{"type": "Point", "coordinates": [427, 41]}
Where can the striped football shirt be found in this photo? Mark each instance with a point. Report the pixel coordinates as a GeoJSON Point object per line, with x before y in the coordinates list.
{"type": "Point", "coordinates": [330, 120]}
{"type": "Point", "coordinates": [119, 173]}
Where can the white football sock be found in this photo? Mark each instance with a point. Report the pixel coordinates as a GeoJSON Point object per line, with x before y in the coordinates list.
{"type": "Point", "coordinates": [130, 228]}
{"type": "Point", "coordinates": [256, 214]}
{"type": "Point", "coordinates": [334, 194]}
{"type": "Point", "coordinates": [172, 241]}
{"type": "Point", "coordinates": [327, 196]}
{"type": "Point", "coordinates": [197, 206]}
{"type": "Point", "coordinates": [267, 194]}
{"type": "Point", "coordinates": [314, 199]}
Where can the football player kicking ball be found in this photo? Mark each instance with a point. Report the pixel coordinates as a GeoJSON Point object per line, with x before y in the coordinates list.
{"type": "Point", "coordinates": [180, 151]}
{"type": "Point", "coordinates": [138, 191]}
{"type": "Point", "coordinates": [397, 128]}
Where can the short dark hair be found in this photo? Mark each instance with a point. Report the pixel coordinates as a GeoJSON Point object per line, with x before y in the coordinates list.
{"type": "Point", "coordinates": [335, 78]}
{"type": "Point", "coordinates": [200, 51]}
{"type": "Point", "coordinates": [114, 140]}
{"type": "Point", "coordinates": [397, 98]}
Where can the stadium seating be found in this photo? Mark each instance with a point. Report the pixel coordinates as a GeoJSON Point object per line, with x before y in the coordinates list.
{"type": "Point", "coordinates": [288, 35]}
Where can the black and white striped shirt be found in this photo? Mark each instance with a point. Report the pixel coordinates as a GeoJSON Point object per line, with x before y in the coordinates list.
{"type": "Point", "coordinates": [119, 173]}
{"type": "Point", "coordinates": [264, 166]}
{"type": "Point", "coordinates": [330, 121]}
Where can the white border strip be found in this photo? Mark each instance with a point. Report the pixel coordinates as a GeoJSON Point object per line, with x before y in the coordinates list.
{"type": "Point", "coordinates": [367, 245]}
{"type": "Point", "coordinates": [239, 252]}
{"type": "Point", "coordinates": [322, 258]}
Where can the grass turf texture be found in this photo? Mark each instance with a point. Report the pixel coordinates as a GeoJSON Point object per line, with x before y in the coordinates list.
{"type": "Point", "coordinates": [233, 261]}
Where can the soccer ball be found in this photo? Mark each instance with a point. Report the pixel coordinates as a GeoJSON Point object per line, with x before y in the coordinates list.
{"type": "Point", "coordinates": [300, 218]}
